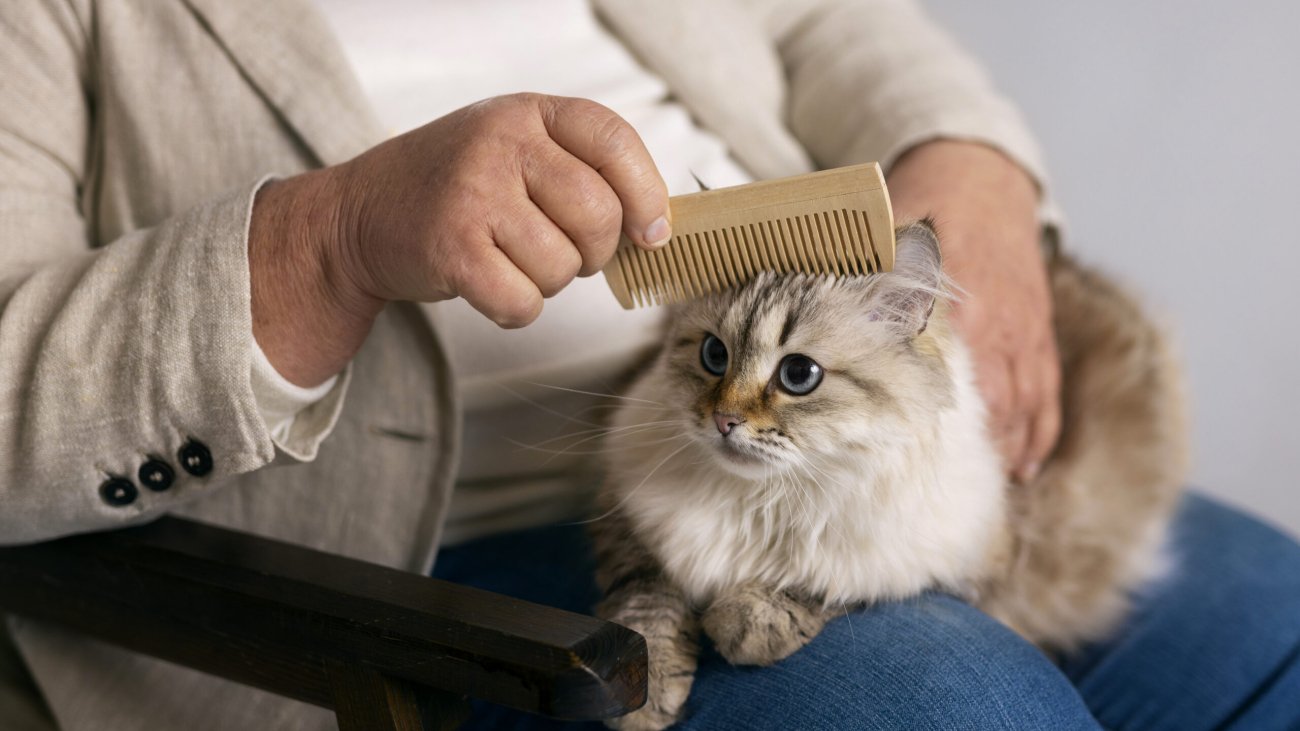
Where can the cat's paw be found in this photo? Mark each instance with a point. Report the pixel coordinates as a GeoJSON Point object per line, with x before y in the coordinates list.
{"type": "Point", "coordinates": [645, 718]}
{"type": "Point", "coordinates": [757, 625]}
{"type": "Point", "coordinates": [672, 654]}
{"type": "Point", "coordinates": [668, 686]}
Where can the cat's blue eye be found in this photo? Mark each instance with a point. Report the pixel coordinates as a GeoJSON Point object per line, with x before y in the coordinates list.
{"type": "Point", "coordinates": [713, 355]}
{"type": "Point", "coordinates": [799, 374]}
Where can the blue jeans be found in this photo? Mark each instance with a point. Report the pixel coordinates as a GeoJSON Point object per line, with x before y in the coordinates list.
{"type": "Point", "coordinates": [1215, 645]}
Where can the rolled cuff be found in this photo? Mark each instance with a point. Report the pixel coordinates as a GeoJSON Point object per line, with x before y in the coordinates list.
{"type": "Point", "coordinates": [297, 418]}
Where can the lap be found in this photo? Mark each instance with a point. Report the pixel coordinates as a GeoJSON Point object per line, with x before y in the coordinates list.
{"type": "Point", "coordinates": [932, 662]}
{"type": "Point", "coordinates": [1212, 644]}
{"type": "Point", "coordinates": [1215, 644]}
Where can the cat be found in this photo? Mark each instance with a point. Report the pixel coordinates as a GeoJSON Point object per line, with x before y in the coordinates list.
{"type": "Point", "coordinates": [802, 445]}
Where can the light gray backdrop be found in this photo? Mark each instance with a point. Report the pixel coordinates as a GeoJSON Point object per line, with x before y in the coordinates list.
{"type": "Point", "coordinates": [1172, 131]}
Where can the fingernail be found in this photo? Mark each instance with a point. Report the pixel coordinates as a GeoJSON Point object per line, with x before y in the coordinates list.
{"type": "Point", "coordinates": [658, 233]}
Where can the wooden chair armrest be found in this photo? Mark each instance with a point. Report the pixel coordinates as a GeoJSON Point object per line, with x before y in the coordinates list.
{"type": "Point", "coordinates": [323, 628]}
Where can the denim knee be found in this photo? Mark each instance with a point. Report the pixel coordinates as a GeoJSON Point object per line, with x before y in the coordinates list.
{"type": "Point", "coordinates": [1215, 644]}
{"type": "Point", "coordinates": [929, 663]}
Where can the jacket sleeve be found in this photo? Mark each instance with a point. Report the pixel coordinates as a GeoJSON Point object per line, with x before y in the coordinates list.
{"type": "Point", "coordinates": [869, 79]}
{"type": "Point", "coordinates": [124, 369]}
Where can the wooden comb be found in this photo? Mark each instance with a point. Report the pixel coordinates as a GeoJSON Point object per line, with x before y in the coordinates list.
{"type": "Point", "coordinates": [835, 222]}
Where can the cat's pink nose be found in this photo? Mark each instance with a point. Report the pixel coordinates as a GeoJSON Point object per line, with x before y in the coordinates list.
{"type": "Point", "coordinates": [726, 421]}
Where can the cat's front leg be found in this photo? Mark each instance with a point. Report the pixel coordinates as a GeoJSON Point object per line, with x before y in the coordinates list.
{"type": "Point", "coordinates": [756, 624]}
{"type": "Point", "coordinates": [667, 623]}
{"type": "Point", "coordinates": [639, 597]}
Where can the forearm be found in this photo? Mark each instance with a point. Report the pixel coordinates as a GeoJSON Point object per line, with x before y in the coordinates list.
{"type": "Point", "coordinates": [932, 178]}
{"type": "Point", "coordinates": [117, 357]}
{"type": "Point", "coordinates": [309, 317]}
{"type": "Point", "coordinates": [871, 79]}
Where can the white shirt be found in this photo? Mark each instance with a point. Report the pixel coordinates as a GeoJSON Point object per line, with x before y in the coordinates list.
{"type": "Point", "coordinates": [420, 59]}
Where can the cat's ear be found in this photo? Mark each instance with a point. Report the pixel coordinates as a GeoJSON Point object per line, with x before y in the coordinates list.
{"type": "Point", "coordinates": [905, 296]}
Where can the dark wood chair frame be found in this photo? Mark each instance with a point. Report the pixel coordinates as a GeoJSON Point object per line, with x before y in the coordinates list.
{"type": "Point", "coordinates": [384, 649]}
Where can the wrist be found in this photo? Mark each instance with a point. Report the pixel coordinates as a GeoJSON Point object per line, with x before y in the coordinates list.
{"type": "Point", "coordinates": [330, 220]}
{"type": "Point", "coordinates": [944, 172]}
{"type": "Point", "coordinates": [986, 210]}
{"type": "Point", "coordinates": [310, 314]}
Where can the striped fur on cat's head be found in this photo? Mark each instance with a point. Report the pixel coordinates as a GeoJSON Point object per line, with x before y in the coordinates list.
{"type": "Point", "coordinates": [791, 370]}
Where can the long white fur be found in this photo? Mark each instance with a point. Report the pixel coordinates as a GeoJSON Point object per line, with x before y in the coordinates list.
{"type": "Point", "coordinates": [918, 512]}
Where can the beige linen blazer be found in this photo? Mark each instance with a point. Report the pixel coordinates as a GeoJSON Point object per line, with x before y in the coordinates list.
{"type": "Point", "coordinates": [133, 136]}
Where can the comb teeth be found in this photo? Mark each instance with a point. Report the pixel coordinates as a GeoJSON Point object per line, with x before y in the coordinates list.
{"type": "Point", "coordinates": [835, 223]}
{"type": "Point", "coordinates": [835, 243]}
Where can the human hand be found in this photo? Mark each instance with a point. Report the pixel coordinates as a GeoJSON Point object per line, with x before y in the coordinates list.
{"type": "Point", "coordinates": [985, 208]}
{"type": "Point", "coordinates": [502, 203]}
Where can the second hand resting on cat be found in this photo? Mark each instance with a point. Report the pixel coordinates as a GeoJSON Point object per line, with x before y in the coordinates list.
{"type": "Point", "coordinates": [805, 446]}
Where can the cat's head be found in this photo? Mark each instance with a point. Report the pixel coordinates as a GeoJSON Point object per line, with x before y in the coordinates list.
{"type": "Point", "coordinates": [792, 371]}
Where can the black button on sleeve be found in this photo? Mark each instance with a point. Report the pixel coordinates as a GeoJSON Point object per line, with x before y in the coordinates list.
{"type": "Point", "coordinates": [195, 458]}
{"type": "Point", "coordinates": [118, 492]}
{"type": "Point", "coordinates": [156, 475]}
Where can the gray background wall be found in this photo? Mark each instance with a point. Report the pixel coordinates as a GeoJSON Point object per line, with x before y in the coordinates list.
{"type": "Point", "coordinates": [1172, 131]}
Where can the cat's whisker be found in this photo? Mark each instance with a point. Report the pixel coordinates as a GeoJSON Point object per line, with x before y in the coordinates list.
{"type": "Point", "coordinates": [597, 394]}
{"type": "Point", "coordinates": [848, 617]}
{"type": "Point", "coordinates": [598, 431]}
{"type": "Point", "coordinates": [767, 496]}
{"type": "Point", "coordinates": [632, 492]}
{"type": "Point", "coordinates": [790, 487]}
{"type": "Point", "coordinates": [806, 507]}
{"type": "Point", "coordinates": [771, 500]}
{"type": "Point", "coordinates": [783, 504]}
{"type": "Point", "coordinates": [601, 431]}
{"type": "Point", "coordinates": [640, 411]}
{"type": "Point", "coordinates": [637, 410]}
{"type": "Point", "coordinates": [788, 498]}
{"type": "Point", "coordinates": [544, 407]}
{"type": "Point", "coordinates": [602, 450]}
{"type": "Point", "coordinates": [658, 422]}
{"type": "Point", "coordinates": [808, 465]}
{"type": "Point", "coordinates": [627, 407]}
{"type": "Point", "coordinates": [632, 430]}
{"type": "Point", "coordinates": [787, 491]}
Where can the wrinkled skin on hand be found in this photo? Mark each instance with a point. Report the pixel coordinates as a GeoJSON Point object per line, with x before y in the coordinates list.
{"type": "Point", "coordinates": [501, 203]}
{"type": "Point", "coordinates": [985, 208]}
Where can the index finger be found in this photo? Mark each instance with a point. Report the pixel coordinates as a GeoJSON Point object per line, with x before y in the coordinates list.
{"type": "Point", "coordinates": [600, 138]}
